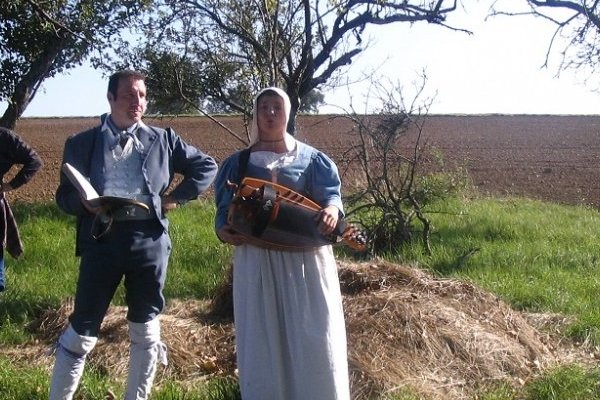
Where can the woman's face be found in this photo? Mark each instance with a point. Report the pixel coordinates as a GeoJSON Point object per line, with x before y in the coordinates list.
{"type": "Point", "coordinates": [271, 118]}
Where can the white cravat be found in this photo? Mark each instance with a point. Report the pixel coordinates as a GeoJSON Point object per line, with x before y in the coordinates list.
{"type": "Point", "coordinates": [122, 141]}
{"type": "Point", "coordinates": [131, 141]}
{"type": "Point", "coordinates": [126, 141]}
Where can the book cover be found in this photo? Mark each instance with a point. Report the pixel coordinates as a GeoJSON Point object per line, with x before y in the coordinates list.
{"type": "Point", "coordinates": [89, 194]}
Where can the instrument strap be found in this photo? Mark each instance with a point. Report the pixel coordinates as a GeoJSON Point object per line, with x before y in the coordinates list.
{"type": "Point", "coordinates": [265, 212]}
{"type": "Point", "coordinates": [268, 199]}
{"type": "Point", "coordinates": [243, 164]}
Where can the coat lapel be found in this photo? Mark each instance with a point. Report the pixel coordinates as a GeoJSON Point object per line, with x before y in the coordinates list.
{"type": "Point", "coordinates": [147, 136]}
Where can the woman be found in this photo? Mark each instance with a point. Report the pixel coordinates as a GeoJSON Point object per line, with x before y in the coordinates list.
{"type": "Point", "coordinates": [290, 332]}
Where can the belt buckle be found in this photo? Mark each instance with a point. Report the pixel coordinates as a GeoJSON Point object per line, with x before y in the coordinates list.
{"type": "Point", "coordinates": [129, 211]}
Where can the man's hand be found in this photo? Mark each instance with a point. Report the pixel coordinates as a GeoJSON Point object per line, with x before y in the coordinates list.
{"type": "Point", "coordinates": [168, 204]}
{"type": "Point", "coordinates": [94, 209]}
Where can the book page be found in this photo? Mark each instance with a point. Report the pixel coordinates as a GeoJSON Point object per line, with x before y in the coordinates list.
{"type": "Point", "coordinates": [89, 194]}
{"type": "Point", "coordinates": [84, 186]}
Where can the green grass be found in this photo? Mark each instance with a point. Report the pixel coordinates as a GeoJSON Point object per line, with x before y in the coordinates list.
{"type": "Point", "coordinates": [32, 383]}
{"type": "Point", "coordinates": [43, 275]}
{"type": "Point", "coordinates": [199, 259]}
{"type": "Point", "coordinates": [47, 271]}
{"type": "Point", "coordinates": [566, 383]}
{"type": "Point", "coordinates": [539, 257]}
{"type": "Point", "coordinates": [22, 383]}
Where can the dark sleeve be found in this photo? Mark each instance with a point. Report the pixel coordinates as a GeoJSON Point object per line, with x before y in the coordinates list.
{"type": "Point", "coordinates": [21, 153]}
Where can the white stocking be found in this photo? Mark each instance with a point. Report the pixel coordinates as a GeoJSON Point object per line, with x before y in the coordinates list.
{"type": "Point", "coordinates": [71, 351]}
{"type": "Point", "coordinates": [145, 351]}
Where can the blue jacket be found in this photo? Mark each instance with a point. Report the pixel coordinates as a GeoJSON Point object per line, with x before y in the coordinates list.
{"type": "Point", "coordinates": [165, 152]}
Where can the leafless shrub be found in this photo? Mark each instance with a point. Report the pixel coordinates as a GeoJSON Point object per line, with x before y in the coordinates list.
{"type": "Point", "coordinates": [384, 158]}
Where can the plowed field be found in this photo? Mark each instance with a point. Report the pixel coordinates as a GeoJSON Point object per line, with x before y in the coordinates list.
{"type": "Point", "coordinates": [555, 158]}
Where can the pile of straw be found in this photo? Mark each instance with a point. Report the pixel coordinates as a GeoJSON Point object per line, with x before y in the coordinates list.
{"type": "Point", "coordinates": [442, 338]}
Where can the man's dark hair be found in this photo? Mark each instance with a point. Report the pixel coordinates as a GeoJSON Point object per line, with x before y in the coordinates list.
{"type": "Point", "coordinates": [113, 81]}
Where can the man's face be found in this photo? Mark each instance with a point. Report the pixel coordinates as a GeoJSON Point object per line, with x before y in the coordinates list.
{"type": "Point", "coordinates": [129, 105]}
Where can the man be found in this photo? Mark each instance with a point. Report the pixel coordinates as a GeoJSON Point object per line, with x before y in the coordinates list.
{"type": "Point", "coordinates": [13, 151]}
{"type": "Point", "coordinates": [124, 157]}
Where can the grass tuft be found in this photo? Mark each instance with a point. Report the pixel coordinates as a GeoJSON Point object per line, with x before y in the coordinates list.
{"type": "Point", "coordinates": [539, 257]}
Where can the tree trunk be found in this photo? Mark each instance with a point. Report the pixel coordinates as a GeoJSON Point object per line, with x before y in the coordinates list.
{"type": "Point", "coordinates": [19, 101]}
{"type": "Point", "coordinates": [291, 128]}
{"type": "Point", "coordinates": [26, 88]}
{"type": "Point", "coordinates": [292, 93]}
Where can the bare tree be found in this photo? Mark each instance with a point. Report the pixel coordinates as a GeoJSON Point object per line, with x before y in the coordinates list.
{"type": "Point", "coordinates": [577, 32]}
{"type": "Point", "coordinates": [299, 45]}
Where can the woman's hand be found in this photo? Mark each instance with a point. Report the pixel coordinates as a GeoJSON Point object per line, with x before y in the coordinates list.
{"type": "Point", "coordinates": [328, 218]}
{"type": "Point", "coordinates": [230, 236]}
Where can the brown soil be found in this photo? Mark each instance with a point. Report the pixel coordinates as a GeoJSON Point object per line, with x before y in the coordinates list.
{"type": "Point", "coordinates": [554, 158]}
{"type": "Point", "coordinates": [443, 339]}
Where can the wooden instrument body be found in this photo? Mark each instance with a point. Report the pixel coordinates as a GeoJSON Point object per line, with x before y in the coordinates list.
{"type": "Point", "coordinates": [273, 216]}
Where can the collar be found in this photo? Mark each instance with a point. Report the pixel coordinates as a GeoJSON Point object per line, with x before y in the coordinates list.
{"type": "Point", "coordinates": [109, 125]}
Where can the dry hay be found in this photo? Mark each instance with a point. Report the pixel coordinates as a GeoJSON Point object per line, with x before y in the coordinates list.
{"type": "Point", "coordinates": [198, 347]}
{"type": "Point", "coordinates": [442, 338]}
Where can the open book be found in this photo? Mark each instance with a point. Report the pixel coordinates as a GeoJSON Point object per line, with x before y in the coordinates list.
{"type": "Point", "coordinates": [89, 194]}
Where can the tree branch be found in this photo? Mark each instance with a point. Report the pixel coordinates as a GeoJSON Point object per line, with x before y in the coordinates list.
{"type": "Point", "coordinates": [39, 10]}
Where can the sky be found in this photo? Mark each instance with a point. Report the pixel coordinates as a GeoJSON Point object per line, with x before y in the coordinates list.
{"type": "Point", "coordinates": [497, 69]}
